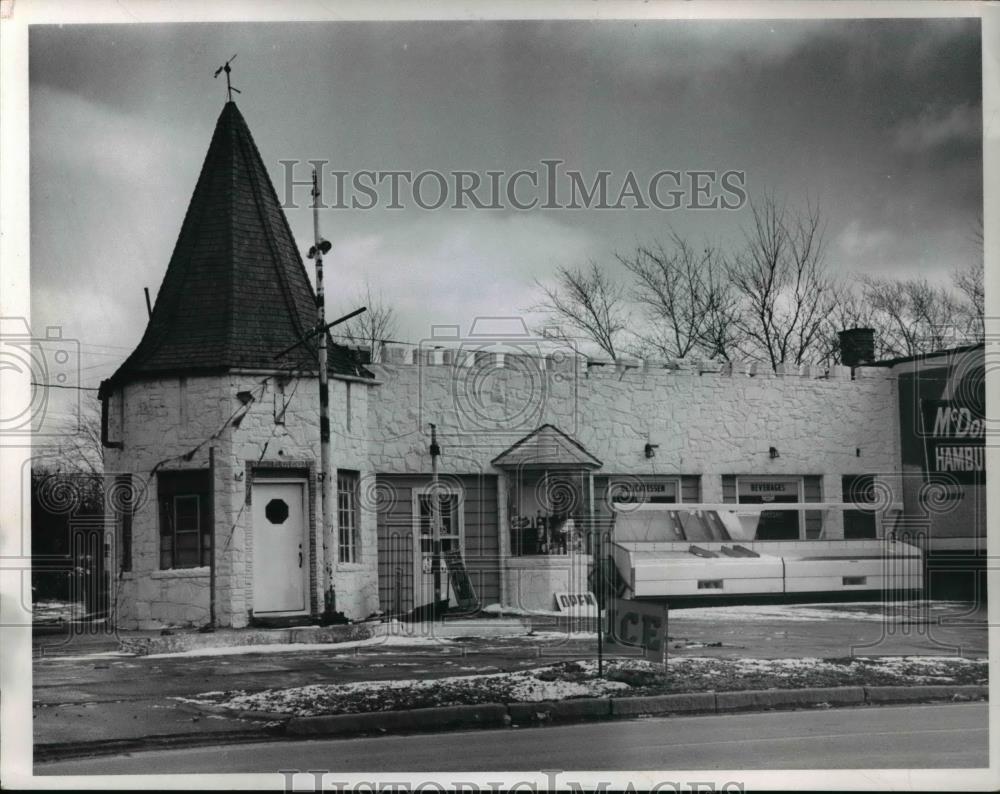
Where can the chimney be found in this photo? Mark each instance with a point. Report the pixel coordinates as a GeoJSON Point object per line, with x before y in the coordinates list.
{"type": "Point", "coordinates": [857, 346]}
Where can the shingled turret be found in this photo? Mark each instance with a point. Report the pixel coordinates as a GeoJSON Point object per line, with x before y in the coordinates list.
{"type": "Point", "coordinates": [235, 292]}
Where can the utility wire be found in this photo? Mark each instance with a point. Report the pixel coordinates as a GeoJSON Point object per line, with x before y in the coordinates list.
{"type": "Point", "coordinates": [61, 386]}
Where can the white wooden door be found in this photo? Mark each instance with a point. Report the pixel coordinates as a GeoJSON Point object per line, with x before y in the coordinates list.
{"type": "Point", "coordinates": [280, 548]}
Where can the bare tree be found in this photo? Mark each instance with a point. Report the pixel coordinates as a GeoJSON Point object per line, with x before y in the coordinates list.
{"type": "Point", "coordinates": [77, 449]}
{"type": "Point", "coordinates": [968, 281]}
{"type": "Point", "coordinates": [912, 316]}
{"type": "Point", "coordinates": [372, 328]}
{"type": "Point", "coordinates": [785, 290]}
{"type": "Point", "coordinates": [587, 302]}
{"type": "Point", "coordinates": [686, 296]}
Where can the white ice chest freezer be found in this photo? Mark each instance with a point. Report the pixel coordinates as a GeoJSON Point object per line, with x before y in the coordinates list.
{"type": "Point", "coordinates": [675, 550]}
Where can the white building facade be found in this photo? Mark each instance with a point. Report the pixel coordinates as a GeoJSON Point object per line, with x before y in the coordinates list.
{"type": "Point", "coordinates": [214, 440]}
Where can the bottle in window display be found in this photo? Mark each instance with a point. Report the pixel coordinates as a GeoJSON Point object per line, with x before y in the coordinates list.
{"type": "Point", "coordinates": [566, 534]}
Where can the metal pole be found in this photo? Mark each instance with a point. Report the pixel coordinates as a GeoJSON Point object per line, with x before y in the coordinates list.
{"type": "Point", "coordinates": [149, 304]}
{"type": "Point", "coordinates": [326, 474]}
{"type": "Point", "coordinates": [599, 574]}
{"type": "Point", "coordinates": [435, 521]}
{"type": "Point", "coordinates": [211, 535]}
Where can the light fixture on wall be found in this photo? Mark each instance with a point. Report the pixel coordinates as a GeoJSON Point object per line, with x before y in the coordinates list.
{"type": "Point", "coordinates": [651, 450]}
{"type": "Point", "coordinates": [773, 452]}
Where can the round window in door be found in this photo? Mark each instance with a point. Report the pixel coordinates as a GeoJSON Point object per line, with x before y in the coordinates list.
{"type": "Point", "coordinates": [276, 511]}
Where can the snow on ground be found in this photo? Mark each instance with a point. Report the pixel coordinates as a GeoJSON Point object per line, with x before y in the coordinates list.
{"type": "Point", "coordinates": [518, 686]}
{"type": "Point", "coordinates": [907, 669]}
{"type": "Point", "coordinates": [517, 612]}
{"type": "Point", "coordinates": [868, 611]}
{"type": "Point", "coordinates": [579, 679]}
{"type": "Point", "coordinates": [294, 647]}
{"type": "Point", "coordinates": [86, 657]}
{"type": "Point", "coordinates": [55, 611]}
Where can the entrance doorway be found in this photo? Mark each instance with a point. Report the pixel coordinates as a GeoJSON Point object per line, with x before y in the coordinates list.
{"type": "Point", "coordinates": [280, 548]}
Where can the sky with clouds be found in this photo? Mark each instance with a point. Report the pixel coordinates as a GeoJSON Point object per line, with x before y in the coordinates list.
{"type": "Point", "coordinates": [879, 121]}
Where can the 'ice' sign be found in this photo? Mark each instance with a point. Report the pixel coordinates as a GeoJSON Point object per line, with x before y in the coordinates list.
{"type": "Point", "coordinates": [639, 624]}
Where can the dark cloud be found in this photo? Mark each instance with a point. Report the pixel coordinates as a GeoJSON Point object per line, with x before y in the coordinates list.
{"type": "Point", "coordinates": [877, 119]}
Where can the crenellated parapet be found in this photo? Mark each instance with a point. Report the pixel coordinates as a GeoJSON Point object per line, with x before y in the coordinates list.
{"type": "Point", "coordinates": [397, 355]}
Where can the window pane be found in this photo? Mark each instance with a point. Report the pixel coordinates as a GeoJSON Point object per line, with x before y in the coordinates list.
{"type": "Point", "coordinates": [347, 516]}
{"type": "Point", "coordinates": [187, 510]}
{"type": "Point", "coordinates": [187, 559]}
{"type": "Point", "coordinates": [186, 541]}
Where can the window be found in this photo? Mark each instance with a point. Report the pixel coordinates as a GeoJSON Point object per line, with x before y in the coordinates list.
{"type": "Point", "coordinates": [859, 489]}
{"type": "Point", "coordinates": [185, 518]}
{"type": "Point", "coordinates": [772, 524]}
{"type": "Point", "coordinates": [546, 508]}
{"type": "Point", "coordinates": [347, 515]}
{"type": "Point", "coordinates": [123, 505]}
{"type": "Point", "coordinates": [631, 490]}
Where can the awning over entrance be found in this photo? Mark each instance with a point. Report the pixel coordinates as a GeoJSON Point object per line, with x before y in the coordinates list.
{"type": "Point", "coordinates": [547, 447]}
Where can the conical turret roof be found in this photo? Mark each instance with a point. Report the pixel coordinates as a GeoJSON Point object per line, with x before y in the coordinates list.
{"type": "Point", "coordinates": [235, 292]}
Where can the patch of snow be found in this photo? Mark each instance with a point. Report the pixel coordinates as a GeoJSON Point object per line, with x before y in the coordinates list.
{"type": "Point", "coordinates": [532, 689]}
{"type": "Point", "coordinates": [292, 647]}
{"type": "Point", "coordinates": [868, 611]}
{"type": "Point", "coordinates": [86, 657]}
{"type": "Point", "coordinates": [549, 636]}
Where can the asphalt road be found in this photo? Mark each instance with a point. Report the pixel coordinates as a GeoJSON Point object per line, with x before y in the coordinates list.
{"type": "Point", "coordinates": [932, 736]}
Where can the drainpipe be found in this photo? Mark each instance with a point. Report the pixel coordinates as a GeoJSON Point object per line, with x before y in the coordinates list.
{"type": "Point", "coordinates": [211, 559]}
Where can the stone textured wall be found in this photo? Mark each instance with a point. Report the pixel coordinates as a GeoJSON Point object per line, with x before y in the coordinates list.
{"type": "Point", "coordinates": [297, 440]}
{"type": "Point", "coordinates": [158, 421]}
{"type": "Point", "coordinates": [709, 423]}
{"type": "Point", "coordinates": [161, 421]}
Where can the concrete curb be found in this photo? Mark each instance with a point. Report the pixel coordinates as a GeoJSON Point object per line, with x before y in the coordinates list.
{"type": "Point", "coordinates": [491, 715]}
{"type": "Point", "coordinates": [664, 704]}
{"type": "Point", "coordinates": [498, 715]}
{"type": "Point", "coordinates": [903, 694]}
{"type": "Point", "coordinates": [755, 700]}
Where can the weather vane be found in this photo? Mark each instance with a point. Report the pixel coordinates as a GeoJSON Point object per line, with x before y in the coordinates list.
{"type": "Point", "coordinates": [225, 68]}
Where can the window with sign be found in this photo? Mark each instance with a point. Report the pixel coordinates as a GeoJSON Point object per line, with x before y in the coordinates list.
{"type": "Point", "coordinates": [772, 524]}
{"type": "Point", "coordinates": [635, 490]}
{"type": "Point", "coordinates": [546, 511]}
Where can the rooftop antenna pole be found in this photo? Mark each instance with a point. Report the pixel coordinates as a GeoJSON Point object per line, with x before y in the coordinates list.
{"type": "Point", "coordinates": [326, 471]}
{"type": "Point", "coordinates": [225, 68]}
